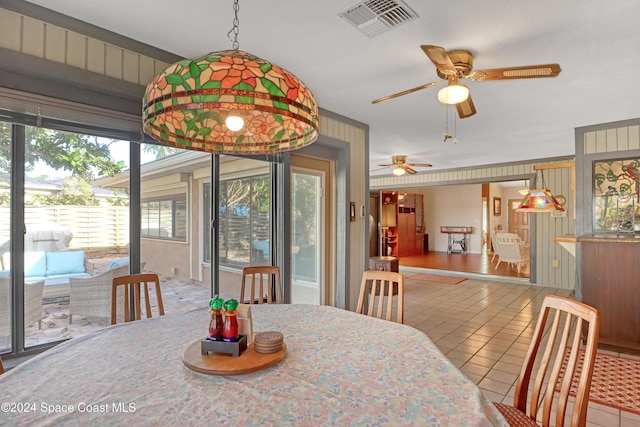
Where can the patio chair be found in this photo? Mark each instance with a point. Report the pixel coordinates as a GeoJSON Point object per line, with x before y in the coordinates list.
{"type": "Point", "coordinates": [265, 275]}
{"type": "Point", "coordinates": [382, 284]}
{"type": "Point", "coordinates": [136, 280]}
{"type": "Point", "coordinates": [509, 248]}
{"type": "Point", "coordinates": [570, 318]}
{"type": "Point", "coordinates": [32, 304]}
{"type": "Point", "coordinates": [91, 297]}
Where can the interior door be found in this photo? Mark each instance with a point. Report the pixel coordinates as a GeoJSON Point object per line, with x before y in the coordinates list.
{"type": "Point", "coordinates": [518, 221]}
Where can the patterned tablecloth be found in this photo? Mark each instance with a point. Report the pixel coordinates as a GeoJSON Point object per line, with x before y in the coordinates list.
{"type": "Point", "coordinates": [341, 369]}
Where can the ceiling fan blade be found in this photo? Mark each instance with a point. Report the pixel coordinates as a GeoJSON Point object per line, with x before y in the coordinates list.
{"type": "Point", "coordinates": [406, 92]}
{"type": "Point", "coordinates": [441, 59]}
{"type": "Point", "coordinates": [420, 165]}
{"type": "Point", "coordinates": [378, 169]}
{"type": "Point", "coordinates": [386, 166]}
{"type": "Point", "coordinates": [466, 108]}
{"type": "Point", "coordinates": [526, 72]}
{"type": "Point", "coordinates": [409, 170]}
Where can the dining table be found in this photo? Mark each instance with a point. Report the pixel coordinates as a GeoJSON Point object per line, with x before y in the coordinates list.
{"type": "Point", "coordinates": [340, 368]}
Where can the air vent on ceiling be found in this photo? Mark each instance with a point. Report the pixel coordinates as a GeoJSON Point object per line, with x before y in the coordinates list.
{"type": "Point", "coordinates": [374, 17]}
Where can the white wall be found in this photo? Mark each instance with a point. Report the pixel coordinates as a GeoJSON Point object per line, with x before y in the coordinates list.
{"type": "Point", "coordinates": [453, 205]}
{"type": "Point", "coordinates": [497, 222]}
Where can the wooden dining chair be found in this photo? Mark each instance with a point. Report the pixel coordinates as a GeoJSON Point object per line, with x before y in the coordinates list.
{"type": "Point", "coordinates": [381, 286]}
{"type": "Point", "coordinates": [261, 278]}
{"type": "Point", "coordinates": [573, 322]}
{"type": "Point", "coordinates": [137, 280]}
{"type": "Point", "coordinates": [1, 367]}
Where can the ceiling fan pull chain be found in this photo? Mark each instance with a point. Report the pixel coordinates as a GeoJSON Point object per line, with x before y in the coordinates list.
{"type": "Point", "coordinates": [455, 129]}
{"type": "Point", "coordinates": [446, 133]}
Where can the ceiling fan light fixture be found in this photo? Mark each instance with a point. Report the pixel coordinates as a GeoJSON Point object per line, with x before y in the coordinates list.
{"type": "Point", "coordinates": [398, 171]}
{"type": "Point", "coordinates": [454, 93]}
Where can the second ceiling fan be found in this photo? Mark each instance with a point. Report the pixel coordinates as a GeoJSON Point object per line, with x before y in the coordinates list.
{"type": "Point", "coordinates": [454, 65]}
{"type": "Point", "coordinates": [400, 165]}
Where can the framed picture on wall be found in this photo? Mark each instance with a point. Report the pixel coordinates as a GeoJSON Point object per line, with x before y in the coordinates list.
{"type": "Point", "coordinates": [497, 206]}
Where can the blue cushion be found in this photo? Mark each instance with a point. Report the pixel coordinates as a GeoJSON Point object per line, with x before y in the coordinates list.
{"type": "Point", "coordinates": [262, 245]}
{"type": "Point", "coordinates": [61, 276]}
{"type": "Point", "coordinates": [35, 264]}
{"type": "Point", "coordinates": [65, 262]}
{"type": "Point", "coordinates": [118, 263]}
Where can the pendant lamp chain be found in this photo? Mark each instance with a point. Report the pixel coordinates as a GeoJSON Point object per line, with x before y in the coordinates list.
{"type": "Point", "coordinates": [236, 27]}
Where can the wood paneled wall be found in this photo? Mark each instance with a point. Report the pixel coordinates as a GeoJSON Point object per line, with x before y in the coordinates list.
{"type": "Point", "coordinates": [44, 40]}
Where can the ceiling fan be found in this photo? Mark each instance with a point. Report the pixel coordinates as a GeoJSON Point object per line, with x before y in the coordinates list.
{"type": "Point", "coordinates": [454, 65]}
{"type": "Point", "coordinates": [400, 165]}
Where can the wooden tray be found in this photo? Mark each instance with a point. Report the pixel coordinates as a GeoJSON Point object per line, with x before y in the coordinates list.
{"type": "Point", "coordinates": [224, 364]}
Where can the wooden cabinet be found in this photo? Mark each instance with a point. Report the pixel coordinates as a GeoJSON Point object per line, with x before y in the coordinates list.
{"type": "Point", "coordinates": [406, 234]}
{"type": "Point", "coordinates": [609, 282]}
{"type": "Point", "coordinates": [401, 220]}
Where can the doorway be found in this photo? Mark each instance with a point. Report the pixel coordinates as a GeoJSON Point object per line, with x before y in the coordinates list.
{"type": "Point", "coordinates": [311, 225]}
{"type": "Point", "coordinates": [469, 205]}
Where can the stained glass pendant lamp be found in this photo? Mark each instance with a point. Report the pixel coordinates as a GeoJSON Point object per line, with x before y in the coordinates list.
{"type": "Point", "coordinates": [230, 102]}
{"type": "Point", "coordinates": [539, 200]}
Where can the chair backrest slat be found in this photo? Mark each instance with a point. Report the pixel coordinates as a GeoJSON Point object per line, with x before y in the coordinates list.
{"type": "Point", "coordinates": [266, 275]}
{"type": "Point", "coordinates": [137, 280]}
{"type": "Point", "coordinates": [380, 287]}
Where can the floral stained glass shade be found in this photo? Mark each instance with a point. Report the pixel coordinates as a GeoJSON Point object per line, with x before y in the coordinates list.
{"type": "Point", "coordinates": [186, 105]}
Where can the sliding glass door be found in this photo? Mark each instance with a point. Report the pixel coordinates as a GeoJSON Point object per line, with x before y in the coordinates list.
{"type": "Point", "coordinates": [5, 237]}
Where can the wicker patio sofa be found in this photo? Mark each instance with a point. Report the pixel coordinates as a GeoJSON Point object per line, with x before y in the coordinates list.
{"type": "Point", "coordinates": [32, 305]}
{"type": "Point", "coordinates": [91, 297]}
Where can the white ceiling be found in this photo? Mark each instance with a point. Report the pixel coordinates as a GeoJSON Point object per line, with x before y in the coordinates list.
{"type": "Point", "coordinates": [596, 43]}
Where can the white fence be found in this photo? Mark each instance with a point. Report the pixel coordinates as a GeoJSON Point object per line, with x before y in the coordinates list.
{"type": "Point", "coordinates": [96, 229]}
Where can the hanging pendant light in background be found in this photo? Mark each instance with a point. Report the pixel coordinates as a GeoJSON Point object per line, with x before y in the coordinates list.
{"type": "Point", "coordinates": [524, 190]}
{"type": "Point", "coordinates": [539, 200]}
{"type": "Point", "coordinates": [230, 102]}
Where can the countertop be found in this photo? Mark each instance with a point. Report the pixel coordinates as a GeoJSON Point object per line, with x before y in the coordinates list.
{"type": "Point", "coordinates": [609, 238]}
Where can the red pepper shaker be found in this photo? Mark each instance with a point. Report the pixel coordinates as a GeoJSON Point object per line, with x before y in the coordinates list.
{"type": "Point", "coordinates": [216, 326]}
{"type": "Point", "coordinates": [231, 320]}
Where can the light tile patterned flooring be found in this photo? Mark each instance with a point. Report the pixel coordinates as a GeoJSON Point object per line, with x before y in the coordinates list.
{"type": "Point", "coordinates": [482, 325]}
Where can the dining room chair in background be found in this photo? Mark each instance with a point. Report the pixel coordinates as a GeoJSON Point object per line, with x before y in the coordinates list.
{"type": "Point", "coordinates": [261, 279]}
{"type": "Point", "coordinates": [573, 322]}
{"type": "Point", "coordinates": [510, 249]}
{"type": "Point", "coordinates": [1, 367]}
{"type": "Point", "coordinates": [143, 279]}
{"type": "Point", "coordinates": [380, 287]}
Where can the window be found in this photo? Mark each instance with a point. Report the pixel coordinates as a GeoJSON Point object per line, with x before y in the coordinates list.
{"type": "Point", "coordinates": [244, 218]}
{"type": "Point", "coordinates": [165, 218]}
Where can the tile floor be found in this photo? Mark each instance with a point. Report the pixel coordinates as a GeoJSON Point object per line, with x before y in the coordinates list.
{"type": "Point", "coordinates": [483, 325]}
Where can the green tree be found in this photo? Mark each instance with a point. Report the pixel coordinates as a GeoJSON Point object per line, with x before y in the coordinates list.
{"type": "Point", "coordinates": [83, 155]}
{"type": "Point", "coordinates": [74, 191]}
{"type": "Point", "coordinates": [160, 151]}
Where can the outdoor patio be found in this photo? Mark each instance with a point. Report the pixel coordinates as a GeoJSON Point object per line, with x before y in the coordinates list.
{"type": "Point", "coordinates": [177, 297]}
